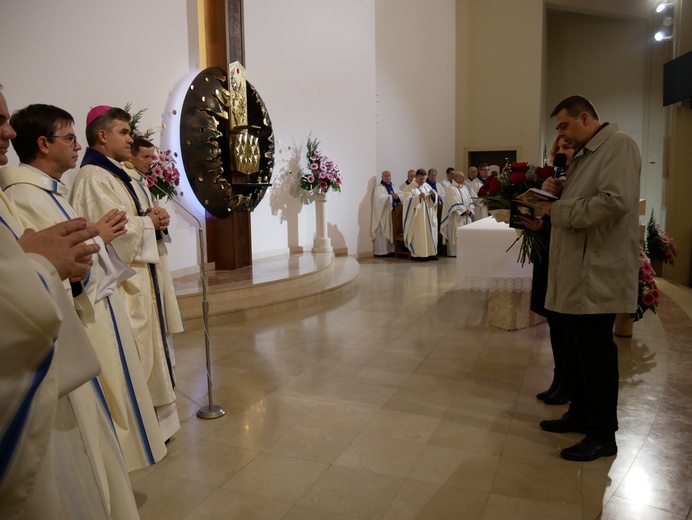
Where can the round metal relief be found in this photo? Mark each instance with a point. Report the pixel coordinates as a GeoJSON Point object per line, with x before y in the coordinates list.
{"type": "Point", "coordinates": [228, 160]}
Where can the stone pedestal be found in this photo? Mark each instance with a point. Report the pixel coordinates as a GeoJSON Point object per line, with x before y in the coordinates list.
{"type": "Point", "coordinates": [322, 242]}
{"type": "Point", "coordinates": [511, 310]}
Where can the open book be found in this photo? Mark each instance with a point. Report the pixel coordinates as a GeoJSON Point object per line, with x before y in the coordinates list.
{"type": "Point", "coordinates": [525, 206]}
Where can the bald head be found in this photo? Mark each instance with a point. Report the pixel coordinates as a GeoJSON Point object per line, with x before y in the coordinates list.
{"type": "Point", "coordinates": [459, 177]}
{"type": "Point", "coordinates": [387, 176]}
{"type": "Point", "coordinates": [473, 172]}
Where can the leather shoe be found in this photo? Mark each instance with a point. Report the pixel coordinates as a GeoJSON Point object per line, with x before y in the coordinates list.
{"type": "Point", "coordinates": [556, 399]}
{"type": "Point", "coordinates": [590, 449]}
{"type": "Point", "coordinates": [564, 424]}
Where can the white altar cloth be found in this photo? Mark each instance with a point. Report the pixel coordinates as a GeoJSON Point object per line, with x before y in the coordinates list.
{"type": "Point", "coordinates": [483, 262]}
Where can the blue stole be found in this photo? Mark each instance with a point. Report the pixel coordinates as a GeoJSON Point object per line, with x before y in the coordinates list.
{"type": "Point", "coordinates": [390, 190]}
{"type": "Point", "coordinates": [433, 185]}
{"type": "Point", "coordinates": [96, 158]}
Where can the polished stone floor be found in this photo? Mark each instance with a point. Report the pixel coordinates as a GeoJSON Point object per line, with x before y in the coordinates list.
{"type": "Point", "coordinates": [396, 401]}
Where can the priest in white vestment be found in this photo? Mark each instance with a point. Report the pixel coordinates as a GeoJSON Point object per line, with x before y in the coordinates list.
{"type": "Point", "coordinates": [100, 185]}
{"type": "Point", "coordinates": [60, 455]}
{"type": "Point", "coordinates": [420, 218]}
{"type": "Point", "coordinates": [41, 201]}
{"type": "Point", "coordinates": [409, 179]}
{"type": "Point", "coordinates": [141, 159]}
{"type": "Point", "coordinates": [447, 182]}
{"type": "Point", "coordinates": [385, 197]}
{"type": "Point", "coordinates": [457, 211]}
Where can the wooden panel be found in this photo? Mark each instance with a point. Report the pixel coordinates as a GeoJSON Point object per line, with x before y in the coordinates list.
{"type": "Point", "coordinates": [229, 240]}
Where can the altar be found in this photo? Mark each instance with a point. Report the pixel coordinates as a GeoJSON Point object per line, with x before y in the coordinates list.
{"type": "Point", "coordinates": [484, 264]}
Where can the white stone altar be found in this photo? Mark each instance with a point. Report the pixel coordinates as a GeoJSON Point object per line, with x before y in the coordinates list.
{"type": "Point", "coordinates": [484, 264]}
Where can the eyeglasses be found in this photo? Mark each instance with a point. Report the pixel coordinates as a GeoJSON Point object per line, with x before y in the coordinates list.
{"type": "Point", "coordinates": [71, 138]}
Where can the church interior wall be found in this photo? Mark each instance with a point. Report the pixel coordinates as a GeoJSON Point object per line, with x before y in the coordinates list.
{"type": "Point", "coordinates": [502, 58]}
{"type": "Point", "coordinates": [314, 64]}
{"type": "Point", "coordinates": [416, 90]}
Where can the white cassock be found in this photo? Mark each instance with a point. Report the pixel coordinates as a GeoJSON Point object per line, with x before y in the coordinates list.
{"type": "Point", "coordinates": [444, 184]}
{"type": "Point", "coordinates": [440, 189]}
{"type": "Point", "coordinates": [420, 220]}
{"type": "Point", "coordinates": [403, 186]}
{"type": "Point", "coordinates": [172, 318]}
{"type": "Point", "coordinates": [481, 208]}
{"type": "Point", "coordinates": [381, 230]}
{"type": "Point", "coordinates": [94, 192]}
{"type": "Point", "coordinates": [457, 203]}
{"type": "Point", "coordinates": [60, 455]}
{"type": "Point", "coordinates": [41, 202]}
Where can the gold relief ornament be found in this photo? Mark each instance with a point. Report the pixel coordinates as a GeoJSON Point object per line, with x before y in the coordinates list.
{"type": "Point", "coordinates": [227, 141]}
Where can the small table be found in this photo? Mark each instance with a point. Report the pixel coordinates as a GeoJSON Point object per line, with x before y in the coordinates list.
{"type": "Point", "coordinates": [484, 264]}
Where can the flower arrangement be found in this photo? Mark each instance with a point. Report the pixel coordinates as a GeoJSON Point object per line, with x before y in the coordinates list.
{"type": "Point", "coordinates": [659, 246]}
{"type": "Point", "coordinates": [322, 173]}
{"type": "Point", "coordinates": [163, 177]}
{"type": "Point", "coordinates": [648, 294]}
{"type": "Point", "coordinates": [498, 193]}
{"type": "Point", "coordinates": [135, 132]}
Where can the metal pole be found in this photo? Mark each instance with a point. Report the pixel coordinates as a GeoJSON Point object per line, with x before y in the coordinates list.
{"type": "Point", "coordinates": [213, 411]}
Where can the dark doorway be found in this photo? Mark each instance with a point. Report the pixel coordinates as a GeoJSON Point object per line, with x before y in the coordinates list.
{"type": "Point", "coordinates": [492, 157]}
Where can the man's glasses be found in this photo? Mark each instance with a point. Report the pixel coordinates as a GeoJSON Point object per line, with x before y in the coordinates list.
{"type": "Point", "coordinates": [71, 138]}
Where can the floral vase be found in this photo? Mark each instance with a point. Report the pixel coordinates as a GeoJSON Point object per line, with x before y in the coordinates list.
{"type": "Point", "coordinates": [624, 325]}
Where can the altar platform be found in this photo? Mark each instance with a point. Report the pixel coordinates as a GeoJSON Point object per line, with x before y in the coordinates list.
{"type": "Point", "coordinates": [270, 285]}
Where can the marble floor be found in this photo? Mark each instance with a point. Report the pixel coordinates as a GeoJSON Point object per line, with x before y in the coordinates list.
{"type": "Point", "coordinates": [396, 401]}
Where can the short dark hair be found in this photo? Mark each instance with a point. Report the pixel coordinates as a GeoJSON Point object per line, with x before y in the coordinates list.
{"type": "Point", "coordinates": [105, 121]}
{"type": "Point", "coordinates": [421, 171]}
{"type": "Point", "coordinates": [33, 122]}
{"type": "Point", "coordinates": [575, 105]}
{"type": "Point", "coordinates": [140, 142]}
{"type": "Point", "coordinates": [450, 169]}
{"type": "Point", "coordinates": [483, 165]}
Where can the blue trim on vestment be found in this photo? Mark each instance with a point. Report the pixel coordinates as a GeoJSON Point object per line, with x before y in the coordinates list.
{"type": "Point", "coordinates": [2, 221]}
{"type": "Point", "coordinates": [130, 388]}
{"type": "Point", "coordinates": [13, 434]}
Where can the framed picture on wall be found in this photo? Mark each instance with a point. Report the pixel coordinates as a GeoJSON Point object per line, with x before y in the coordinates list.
{"type": "Point", "coordinates": [495, 158]}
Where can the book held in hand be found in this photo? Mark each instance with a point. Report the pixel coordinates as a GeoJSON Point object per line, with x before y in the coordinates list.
{"type": "Point", "coordinates": [525, 206]}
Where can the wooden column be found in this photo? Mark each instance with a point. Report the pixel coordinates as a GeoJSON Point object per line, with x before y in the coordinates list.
{"type": "Point", "coordinates": [229, 240]}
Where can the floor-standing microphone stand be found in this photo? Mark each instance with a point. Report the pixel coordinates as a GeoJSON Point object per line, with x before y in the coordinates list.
{"type": "Point", "coordinates": [213, 411]}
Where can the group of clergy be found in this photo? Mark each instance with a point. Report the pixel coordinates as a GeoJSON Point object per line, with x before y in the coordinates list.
{"type": "Point", "coordinates": [431, 211]}
{"type": "Point", "coordinates": [86, 377]}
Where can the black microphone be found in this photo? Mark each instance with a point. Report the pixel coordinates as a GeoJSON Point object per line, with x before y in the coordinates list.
{"type": "Point", "coordinates": [559, 164]}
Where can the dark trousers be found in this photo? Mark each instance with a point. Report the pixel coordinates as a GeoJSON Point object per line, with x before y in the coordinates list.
{"type": "Point", "coordinates": [555, 339]}
{"type": "Point", "coordinates": [591, 368]}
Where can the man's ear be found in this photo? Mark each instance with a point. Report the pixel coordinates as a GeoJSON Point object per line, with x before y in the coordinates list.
{"type": "Point", "coordinates": [42, 143]}
{"type": "Point", "coordinates": [101, 134]}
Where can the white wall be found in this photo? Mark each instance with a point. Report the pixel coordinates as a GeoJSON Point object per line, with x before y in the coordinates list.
{"type": "Point", "coordinates": [500, 60]}
{"type": "Point", "coordinates": [416, 69]}
{"type": "Point", "coordinates": [313, 62]}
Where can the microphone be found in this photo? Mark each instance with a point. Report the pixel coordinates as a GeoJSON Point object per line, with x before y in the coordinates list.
{"type": "Point", "coordinates": [559, 164]}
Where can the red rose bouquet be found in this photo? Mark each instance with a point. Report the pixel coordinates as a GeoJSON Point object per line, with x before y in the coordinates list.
{"type": "Point", "coordinates": [498, 193]}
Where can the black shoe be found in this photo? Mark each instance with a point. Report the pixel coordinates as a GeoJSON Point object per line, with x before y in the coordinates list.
{"type": "Point", "coordinates": [564, 424]}
{"type": "Point", "coordinates": [590, 449]}
{"type": "Point", "coordinates": [551, 389]}
{"type": "Point", "coordinates": [435, 258]}
{"type": "Point", "coordinates": [559, 396]}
